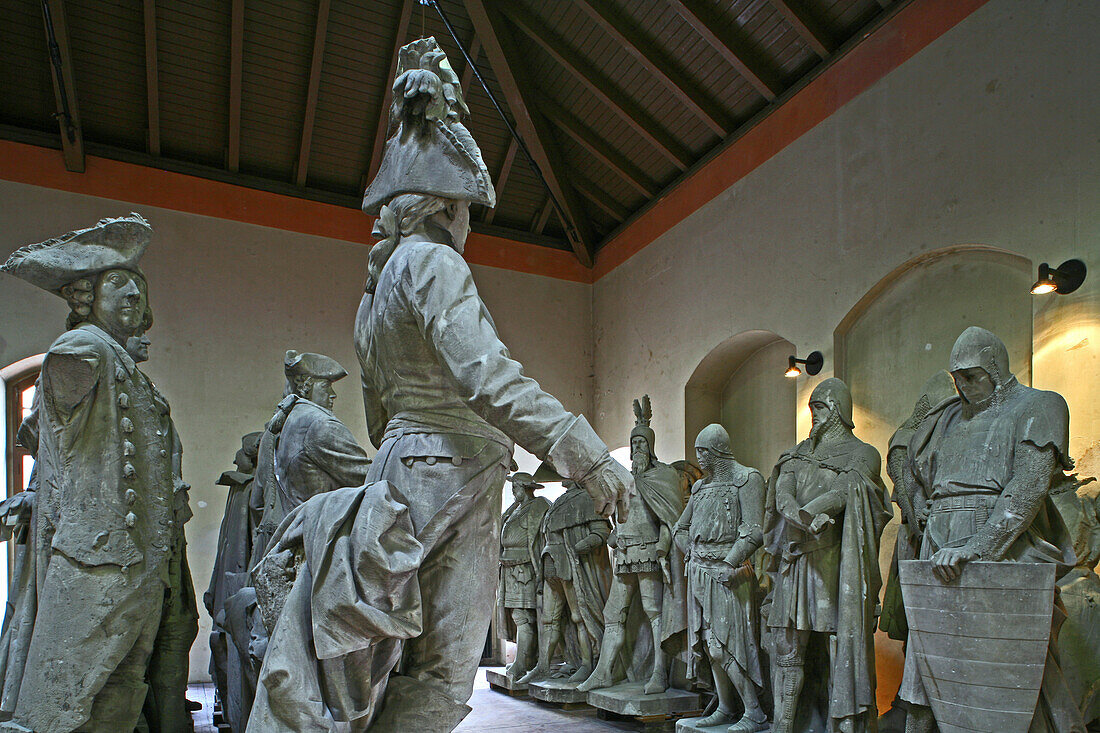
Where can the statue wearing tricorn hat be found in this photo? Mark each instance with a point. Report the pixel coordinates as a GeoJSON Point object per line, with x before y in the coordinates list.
{"type": "Point", "coordinates": [517, 593]}
{"type": "Point", "coordinates": [444, 403]}
{"type": "Point", "coordinates": [110, 559]}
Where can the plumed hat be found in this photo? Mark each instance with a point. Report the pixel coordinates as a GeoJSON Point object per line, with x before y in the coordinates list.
{"type": "Point", "coordinates": [430, 150]}
{"type": "Point", "coordinates": [977, 347]}
{"type": "Point", "coordinates": [299, 364]}
{"type": "Point", "coordinates": [112, 244]}
{"type": "Point", "coordinates": [835, 393]}
{"type": "Point", "coordinates": [524, 480]}
{"type": "Point", "coordinates": [643, 416]}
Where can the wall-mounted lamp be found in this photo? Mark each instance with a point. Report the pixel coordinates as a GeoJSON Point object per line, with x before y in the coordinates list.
{"type": "Point", "coordinates": [813, 363]}
{"type": "Point", "coordinates": [1064, 279]}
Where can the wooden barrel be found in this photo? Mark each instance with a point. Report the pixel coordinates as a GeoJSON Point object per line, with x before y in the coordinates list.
{"type": "Point", "coordinates": [980, 641]}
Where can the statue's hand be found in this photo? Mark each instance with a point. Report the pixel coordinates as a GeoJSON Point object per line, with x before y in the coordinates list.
{"type": "Point", "coordinates": [610, 485]}
{"type": "Point", "coordinates": [947, 563]}
{"type": "Point", "coordinates": [820, 522]}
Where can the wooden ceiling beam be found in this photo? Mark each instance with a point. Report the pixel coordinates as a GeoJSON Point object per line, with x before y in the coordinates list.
{"type": "Point", "coordinates": [387, 95]}
{"type": "Point", "coordinates": [236, 71]}
{"type": "Point", "coordinates": [533, 128]}
{"type": "Point", "coordinates": [502, 177]}
{"type": "Point", "coordinates": [599, 149]}
{"type": "Point", "coordinates": [734, 50]}
{"type": "Point", "coordinates": [631, 112]}
{"type": "Point", "coordinates": [468, 72]}
{"type": "Point", "coordinates": [806, 26]}
{"type": "Point", "coordinates": [599, 197]}
{"type": "Point", "coordinates": [152, 77]}
{"type": "Point", "coordinates": [64, 86]}
{"type": "Point", "coordinates": [661, 65]}
{"type": "Point", "coordinates": [542, 216]}
{"type": "Point", "coordinates": [319, 35]}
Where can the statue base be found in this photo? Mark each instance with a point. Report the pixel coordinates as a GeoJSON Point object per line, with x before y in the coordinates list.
{"type": "Point", "coordinates": [628, 700]}
{"type": "Point", "coordinates": [559, 692]}
{"type": "Point", "coordinates": [501, 681]}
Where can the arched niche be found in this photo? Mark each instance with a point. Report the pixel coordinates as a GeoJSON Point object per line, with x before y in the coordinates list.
{"type": "Point", "coordinates": [901, 332]}
{"type": "Point", "coordinates": [740, 384]}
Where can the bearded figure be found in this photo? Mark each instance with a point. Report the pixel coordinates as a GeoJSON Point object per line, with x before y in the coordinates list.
{"type": "Point", "coordinates": [983, 463]}
{"type": "Point", "coordinates": [825, 512]}
{"type": "Point", "coordinates": [645, 566]}
{"type": "Point", "coordinates": [719, 532]}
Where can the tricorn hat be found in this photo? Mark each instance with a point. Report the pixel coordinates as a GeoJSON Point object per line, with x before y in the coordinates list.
{"type": "Point", "coordinates": [525, 480]}
{"type": "Point", "coordinates": [306, 364]}
{"type": "Point", "coordinates": [430, 150]}
{"type": "Point", "coordinates": [112, 244]}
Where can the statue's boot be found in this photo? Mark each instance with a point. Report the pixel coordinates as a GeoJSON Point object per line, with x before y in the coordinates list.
{"type": "Point", "coordinates": [658, 679]}
{"type": "Point", "coordinates": [753, 722]}
{"type": "Point", "coordinates": [718, 717]}
{"type": "Point", "coordinates": [525, 646]}
{"type": "Point", "coordinates": [541, 670]}
{"type": "Point", "coordinates": [919, 719]}
{"type": "Point", "coordinates": [788, 686]}
{"type": "Point", "coordinates": [601, 676]}
{"type": "Point", "coordinates": [585, 644]}
{"type": "Point", "coordinates": [411, 705]}
{"type": "Point", "coordinates": [580, 675]}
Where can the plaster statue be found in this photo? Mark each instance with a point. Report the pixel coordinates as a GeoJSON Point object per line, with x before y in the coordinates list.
{"type": "Point", "coordinates": [646, 565]}
{"type": "Point", "coordinates": [230, 575]}
{"type": "Point", "coordinates": [825, 511]}
{"type": "Point", "coordinates": [444, 401]}
{"type": "Point", "coordinates": [719, 532]}
{"type": "Point", "coordinates": [305, 449]}
{"type": "Point", "coordinates": [517, 594]}
{"type": "Point", "coordinates": [114, 599]}
{"type": "Point", "coordinates": [985, 462]}
{"type": "Point", "coordinates": [575, 578]}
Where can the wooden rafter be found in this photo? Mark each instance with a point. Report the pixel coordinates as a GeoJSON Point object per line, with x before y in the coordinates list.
{"type": "Point", "coordinates": [732, 49]}
{"type": "Point", "coordinates": [599, 149]}
{"type": "Point", "coordinates": [594, 193]}
{"type": "Point", "coordinates": [64, 87]}
{"type": "Point", "coordinates": [387, 95]}
{"type": "Point", "coordinates": [236, 71]}
{"type": "Point", "coordinates": [152, 76]}
{"type": "Point", "coordinates": [542, 216]}
{"type": "Point", "coordinates": [468, 72]}
{"type": "Point", "coordinates": [631, 112]}
{"type": "Point", "coordinates": [319, 35]}
{"type": "Point", "coordinates": [502, 177]}
{"type": "Point", "coordinates": [661, 65]}
{"type": "Point", "coordinates": [806, 26]}
{"type": "Point", "coordinates": [532, 127]}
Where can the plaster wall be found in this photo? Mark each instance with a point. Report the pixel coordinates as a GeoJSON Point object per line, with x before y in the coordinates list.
{"type": "Point", "coordinates": [758, 408]}
{"type": "Point", "coordinates": [228, 300]}
{"type": "Point", "coordinates": [987, 136]}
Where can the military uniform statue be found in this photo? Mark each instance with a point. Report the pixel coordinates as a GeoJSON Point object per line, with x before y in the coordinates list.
{"type": "Point", "coordinates": [576, 577]}
{"type": "Point", "coordinates": [644, 563]}
{"type": "Point", "coordinates": [115, 602]}
{"type": "Point", "coordinates": [983, 464]}
{"type": "Point", "coordinates": [517, 596]}
{"type": "Point", "coordinates": [825, 512]}
{"type": "Point", "coordinates": [719, 532]}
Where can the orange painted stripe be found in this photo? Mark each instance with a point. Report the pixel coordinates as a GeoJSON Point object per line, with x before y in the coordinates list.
{"type": "Point", "coordinates": [145, 186]}
{"type": "Point", "coordinates": [896, 41]}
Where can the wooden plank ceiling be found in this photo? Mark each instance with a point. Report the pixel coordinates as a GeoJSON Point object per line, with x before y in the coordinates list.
{"type": "Point", "coordinates": [614, 99]}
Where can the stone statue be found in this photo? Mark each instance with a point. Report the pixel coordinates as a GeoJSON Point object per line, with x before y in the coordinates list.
{"type": "Point", "coordinates": [230, 575]}
{"type": "Point", "coordinates": [825, 511]}
{"type": "Point", "coordinates": [114, 596]}
{"type": "Point", "coordinates": [645, 563]}
{"type": "Point", "coordinates": [305, 449]}
{"type": "Point", "coordinates": [444, 401]}
{"type": "Point", "coordinates": [575, 578]}
{"type": "Point", "coordinates": [517, 594]}
{"type": "Point", "coordinates": [985, 461]}
{"type": "Point", "coordinates": [719, 532]}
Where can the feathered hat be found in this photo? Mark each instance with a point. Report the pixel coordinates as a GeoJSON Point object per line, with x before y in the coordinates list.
{"type": "Point", "coordinates": [112, 244]}
{"type": "Point", "coordinates": [643, 416]}
{"type": "Point", "coordinates": [430, 151]}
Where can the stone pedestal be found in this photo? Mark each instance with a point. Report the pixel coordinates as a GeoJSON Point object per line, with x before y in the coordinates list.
{"type": "Point", "coordinates": [557, 691]}
{"type": "Point", "coordinates": [501, 681]}
{"type": "Point", "coordinates": [629, 700]}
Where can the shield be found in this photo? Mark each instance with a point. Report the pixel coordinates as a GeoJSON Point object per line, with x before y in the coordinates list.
{"type": "Point", "coordinates": [980, 641]}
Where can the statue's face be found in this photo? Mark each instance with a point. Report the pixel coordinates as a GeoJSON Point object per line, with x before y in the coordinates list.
{"type": "Point", "coordinates": [819, 412]}
{"type": "Point", "coordinates": [704, 458]}
{"type": "Point", "coordinates": [137, 346]}
{"type": "Point", "coordinates": [459, 226]}
{"type": "Point", "coordinates": [639, 446]}
{"type": "Point", "coordinates": [322, 393]}
{"type": "Point", "coordinates": [974, 384]}
{"type": "Point", "coordinates": [120, 302]}
{"type": "Point", "coordinates": [519, 492]}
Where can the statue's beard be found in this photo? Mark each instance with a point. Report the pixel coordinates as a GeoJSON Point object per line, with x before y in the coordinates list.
{"type": "Point", "coordinates": [640, 463]}
{"type": "Point", "coordinates": [827, 431]}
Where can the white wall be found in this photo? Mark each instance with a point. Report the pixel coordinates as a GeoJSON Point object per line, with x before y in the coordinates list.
{"type": "Point", "coordinates": [228, 299]}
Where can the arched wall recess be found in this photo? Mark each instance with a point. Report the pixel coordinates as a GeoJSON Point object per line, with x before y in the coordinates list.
{"type": "Point", "coordinates": [740, 384]}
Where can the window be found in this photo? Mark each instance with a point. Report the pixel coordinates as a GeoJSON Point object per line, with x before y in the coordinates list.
{"type": "Point", "coordinates": [20, 401]}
